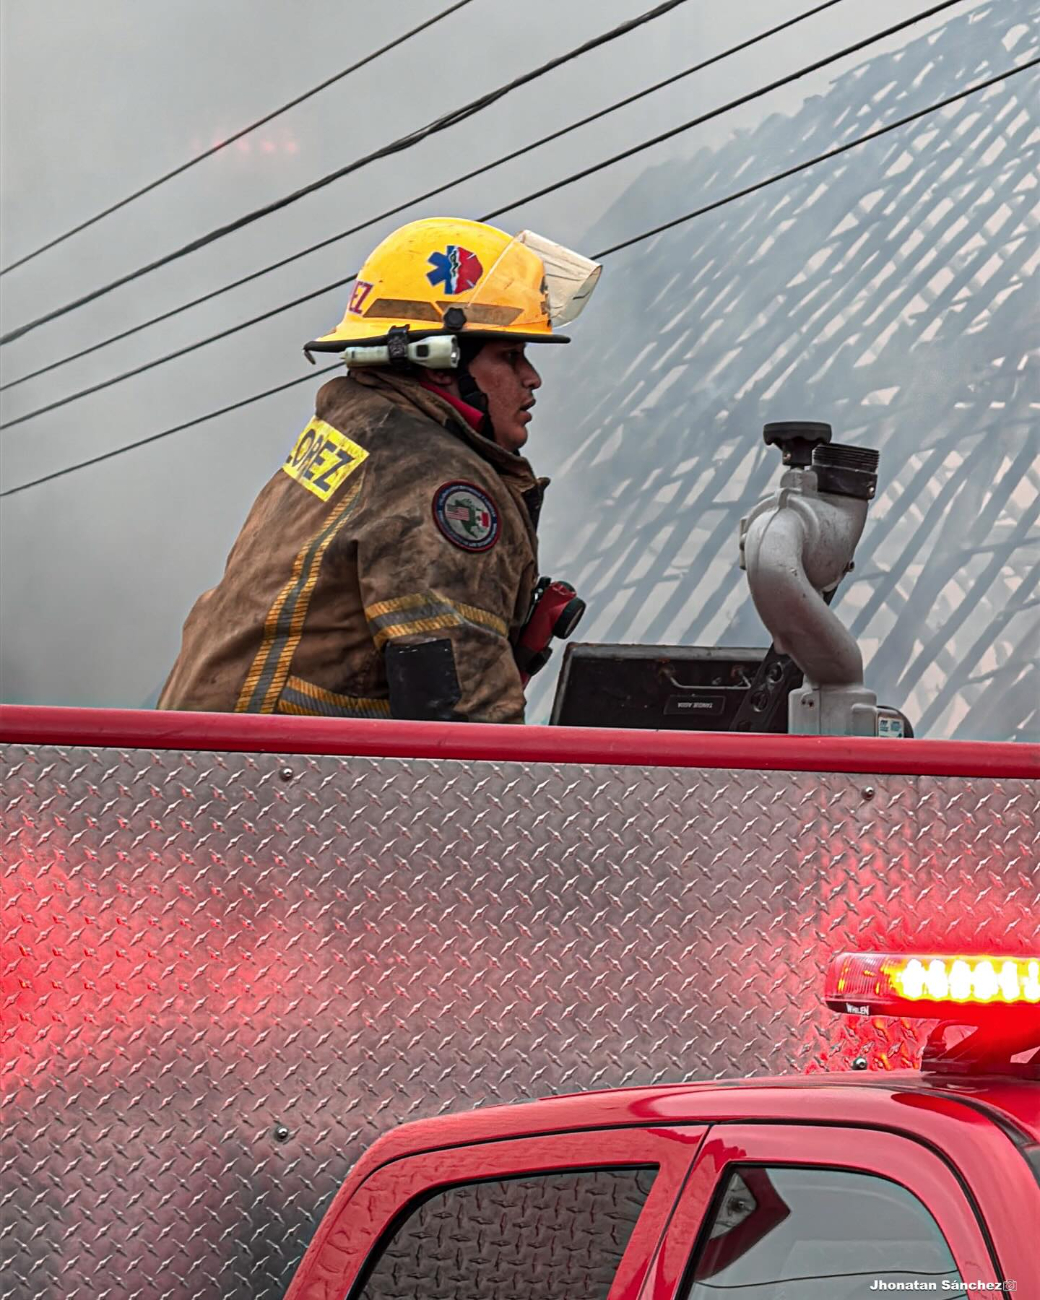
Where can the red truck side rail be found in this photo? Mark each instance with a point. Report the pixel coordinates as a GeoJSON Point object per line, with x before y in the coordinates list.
{"type": "Point", "coordinates": [254, 733]}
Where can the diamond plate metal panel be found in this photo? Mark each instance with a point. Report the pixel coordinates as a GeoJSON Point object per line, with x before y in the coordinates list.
{"type": "Point", "coordinates": [225, 974]}
{"type": "Point", "coordinates": [541, 1238]}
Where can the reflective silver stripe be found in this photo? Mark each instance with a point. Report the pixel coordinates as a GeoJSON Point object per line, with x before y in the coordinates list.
{"type": "Point", "coordinates": [433, 609]}
{"type": "Point", "coordinates": [408, 615]}
{"type": "Point", "coordinates": [308, 700]}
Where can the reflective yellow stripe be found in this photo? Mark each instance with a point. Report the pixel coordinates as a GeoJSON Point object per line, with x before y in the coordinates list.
{"type": "Point", "coordinates": [270, 632]}
{"type": "Point", "coordinates": [417, 625]}
{"type": "Point", "coordinates": [433, 611]}
{"type": "Point", "coordinates": [284, 623]}
{"type": "Point", "coordinates": [298, 710]}
{"type": "Point", "coordinates": [301, 710]}
{"type": "Point", "coordinates": [473, 614]}
{"type": "Point", "coordinates": [333, 697]}
{"type": "Point", "coordinates": [401, 602]}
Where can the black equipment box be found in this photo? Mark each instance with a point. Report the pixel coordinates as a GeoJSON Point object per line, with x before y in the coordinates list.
{"type": "Point", "coordinates": [667, 687]}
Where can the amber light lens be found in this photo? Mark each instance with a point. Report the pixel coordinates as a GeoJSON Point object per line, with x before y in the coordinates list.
{"type": "Point", "coordinates": [923, 983]}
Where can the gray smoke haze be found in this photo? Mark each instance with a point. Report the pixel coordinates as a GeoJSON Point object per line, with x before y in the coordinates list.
{"type": "Point", "coordinates": [649, 422]}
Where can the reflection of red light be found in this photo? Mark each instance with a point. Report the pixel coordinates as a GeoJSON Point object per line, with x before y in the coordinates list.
{"type": "Point", "coordinates": [279, 143]}
{"type": "Point", "coordinates": [111, 975]}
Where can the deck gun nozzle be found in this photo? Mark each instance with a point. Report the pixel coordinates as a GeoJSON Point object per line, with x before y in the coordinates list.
{"type": "Point", "coordinates": [796, 547]}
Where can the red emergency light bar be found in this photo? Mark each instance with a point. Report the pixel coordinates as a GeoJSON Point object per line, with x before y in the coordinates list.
{"type": "Point", "coordinates": [931, 985]}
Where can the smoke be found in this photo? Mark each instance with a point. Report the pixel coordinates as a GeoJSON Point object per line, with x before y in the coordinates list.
{"type": "Point", "coordinates": [887, 292]}
{"type": "Point", "coordinates": [649, 423]}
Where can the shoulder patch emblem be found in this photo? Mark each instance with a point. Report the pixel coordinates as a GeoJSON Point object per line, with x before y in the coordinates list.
{"type": "Point", "coordinates": [466, 516]}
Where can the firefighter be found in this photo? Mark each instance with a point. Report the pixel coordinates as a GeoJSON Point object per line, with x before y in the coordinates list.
{"type": "Point", "coordinates": [387, 568]}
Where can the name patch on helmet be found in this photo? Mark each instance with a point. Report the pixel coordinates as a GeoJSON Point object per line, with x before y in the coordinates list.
{"type": "Point", "coordinates": [456, 268]}
{"type": "Point", "coordinates": [322, 458]}
{"type": "Point", "coordinates": [359, 293]}
{"type": "Point", "coordinates": [466, 516]}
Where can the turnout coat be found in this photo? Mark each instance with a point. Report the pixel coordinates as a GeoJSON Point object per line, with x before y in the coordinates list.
{"type": "Point", "coordinates": [385, 570]}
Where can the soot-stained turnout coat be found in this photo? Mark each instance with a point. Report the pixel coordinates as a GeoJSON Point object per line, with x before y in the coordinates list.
{"type": "Point", "coordinates": [384, 571]}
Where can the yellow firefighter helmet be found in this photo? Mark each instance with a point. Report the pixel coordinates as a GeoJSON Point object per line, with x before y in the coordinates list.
{"type": "Point", "coordinates": [501, 286]}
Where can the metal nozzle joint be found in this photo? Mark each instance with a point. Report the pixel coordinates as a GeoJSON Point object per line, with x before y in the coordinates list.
{"type": "Point", "coordinates": [846, 471]}
{"type": "Point", "coordinates": [796, 439]}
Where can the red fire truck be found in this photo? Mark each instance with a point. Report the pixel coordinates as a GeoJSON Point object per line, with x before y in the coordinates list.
{"type": "Point", "coordinates": [833, 1187]}
{"type": "Point", "coordinates": [240, 952]}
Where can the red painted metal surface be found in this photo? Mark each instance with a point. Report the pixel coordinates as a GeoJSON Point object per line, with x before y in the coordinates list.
{"type": "Point", "coordinates": [933, 1143]}
{"type": "Point", "coordinates": [254, 733]}
{"type": "Point", "coordinates": [367, 1204]}
{"type": "Point", "coordinates": [880, 1100]}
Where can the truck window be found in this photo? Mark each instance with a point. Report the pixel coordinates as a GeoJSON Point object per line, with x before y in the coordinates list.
{"type": "Point", "coordinates": [540, 1236]}
{"type": "Point", "coordinates": [812, 1233]}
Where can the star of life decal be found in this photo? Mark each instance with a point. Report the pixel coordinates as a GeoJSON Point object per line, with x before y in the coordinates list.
{"type": "Point", "coordinates": [456, 269]}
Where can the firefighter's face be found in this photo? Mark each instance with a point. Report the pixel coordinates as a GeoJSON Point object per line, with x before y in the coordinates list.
{"type": "Point", "coordinates": [502, 371]}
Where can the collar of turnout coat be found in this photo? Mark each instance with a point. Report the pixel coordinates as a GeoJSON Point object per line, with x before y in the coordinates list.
{"type": "Point", "coordinates": [408, 393]}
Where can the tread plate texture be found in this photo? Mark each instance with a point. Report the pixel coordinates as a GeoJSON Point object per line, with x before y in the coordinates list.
{"type": "Point", "coordinates": [225, 974]}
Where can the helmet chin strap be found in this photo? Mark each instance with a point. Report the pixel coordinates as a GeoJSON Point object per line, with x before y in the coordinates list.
{"type": "Point", "coordinates": [469, 390]}
{"type": "Point", "coordinates": [467, 387]}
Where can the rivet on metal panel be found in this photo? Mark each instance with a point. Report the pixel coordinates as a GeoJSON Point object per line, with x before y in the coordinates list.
{"type": "Point", "coordinates": [860, 1063]}
{"type": "Point", "coordinates": [869, 792]}
{"type": "Point", "coordinates": [286, 773]}
{"type": "Point", "coordinates": [280, 1133]}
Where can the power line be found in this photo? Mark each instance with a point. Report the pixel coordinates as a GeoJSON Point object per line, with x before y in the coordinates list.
{"type": "Point", "coordinates": [253, 126]}
{"type": "Point", "coordinates": [496, 212]}
{"type": "Point", "coordinates": [179, 352]}
{"type": "Point", "coordinates": [421, 198]}
{"type": "Point", "coordinates": [823, 157]}
{"type": "Point", "coordinates": [396, 146]}
{"type": "Point", "coordinates": [606, 252]}
{"type": "Point", "coordinates": [177, 428]}
{"type": "Point", "coordinates": [733, 103]}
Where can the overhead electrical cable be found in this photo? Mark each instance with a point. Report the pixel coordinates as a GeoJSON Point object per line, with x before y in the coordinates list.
{"type": "Point", "coordinates": [177, 428]}
{"type": "Point", "coordinates": [396, 146]}
{"type": "Point", "coordinates": [421, 198]}
{"type": "Point", "coordinates": [606, 252]}
{"type": "Point", "coordinates": [246, 130]}
{"type": "Point", "coordinates": [487, 216]}
{"type": "Point", "coordinates": [823, 157]}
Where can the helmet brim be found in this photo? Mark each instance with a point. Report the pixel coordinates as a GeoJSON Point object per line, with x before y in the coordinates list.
{"type": "Point", "coordinates": [329, 344]}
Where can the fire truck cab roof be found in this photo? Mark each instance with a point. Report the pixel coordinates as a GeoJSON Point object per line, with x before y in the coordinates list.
{"type": "Point", "coordinates": [1010, 1104]}
{"type": "Point", "coordinates": [824, 1186]}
